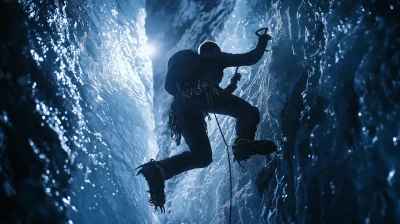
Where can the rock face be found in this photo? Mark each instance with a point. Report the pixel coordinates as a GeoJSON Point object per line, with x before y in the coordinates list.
{"type": "Point", "coordinates": [328, 92]}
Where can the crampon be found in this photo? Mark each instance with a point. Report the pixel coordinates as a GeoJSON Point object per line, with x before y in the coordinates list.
{"type": "Point", "coordinates": [243, 149]}
{"type": "Point", "coordinates": [153, 173]}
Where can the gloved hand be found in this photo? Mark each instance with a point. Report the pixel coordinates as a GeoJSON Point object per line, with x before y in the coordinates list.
{"type": "Point", "coordinates": [233, 85]}
{"type": "Point", "coordinates": [235, 78]}
{"type": "Point", "coordinates": [263, 40]}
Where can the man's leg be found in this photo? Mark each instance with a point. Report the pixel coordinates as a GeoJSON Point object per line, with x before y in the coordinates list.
{"type": "Point", "coordinates": [247, 115]}
{"type": "Point", "coordinates": [200, 154]}
{"type": "Point", "coordinates": [191, 122]}
{"type": "Point", "coordinates": [246, 126]}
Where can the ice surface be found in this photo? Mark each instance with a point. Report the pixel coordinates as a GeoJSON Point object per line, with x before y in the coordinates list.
{"type": "Point", "coordinates": [99, 109]}
{"type": "Point", "coordinates": [119, 95]}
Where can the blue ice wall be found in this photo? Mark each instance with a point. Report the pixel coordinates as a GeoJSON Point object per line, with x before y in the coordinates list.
{"type": "Point", "coordinates": [76, 114]}
{"type": "Point", "coordinates": [328, 94]}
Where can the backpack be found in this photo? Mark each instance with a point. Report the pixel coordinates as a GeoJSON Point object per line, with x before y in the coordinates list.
{"type": "Point", "coordinates": [183, 66]}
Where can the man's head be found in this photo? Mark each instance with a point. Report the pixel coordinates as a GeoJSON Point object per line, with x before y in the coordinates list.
{"type": "Point", "coordinates": [208, 46]}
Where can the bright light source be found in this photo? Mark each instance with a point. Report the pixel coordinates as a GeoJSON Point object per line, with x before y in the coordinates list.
{"type": "Point", "coordinates": [147, 50]}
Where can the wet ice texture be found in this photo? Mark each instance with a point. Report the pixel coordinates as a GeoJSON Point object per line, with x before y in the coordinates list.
{"type": "Point", "coordinates": [85, 94]}
{"type": "Point", "coordinates": [328, 93]}
{"type": "Point", "coordinates": [120, 98]}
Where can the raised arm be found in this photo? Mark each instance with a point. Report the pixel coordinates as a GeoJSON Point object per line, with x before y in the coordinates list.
{"type": "Point", "coordinates": [250, 58]}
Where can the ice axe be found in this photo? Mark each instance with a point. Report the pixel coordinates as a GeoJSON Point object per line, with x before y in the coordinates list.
{"type": "Point", "coordinates": [258, 33]}
{"type": "Point", "coordinates": [236, 76]}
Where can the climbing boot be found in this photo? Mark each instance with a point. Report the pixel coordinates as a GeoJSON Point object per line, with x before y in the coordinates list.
{"type": "Point", "coordinates": [155, 177]}
{"type": "Point", "coordinates": [244, 148]}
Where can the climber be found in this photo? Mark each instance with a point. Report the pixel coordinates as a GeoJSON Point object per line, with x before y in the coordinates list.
{"type": "Point", "coordinates": [193, 79]}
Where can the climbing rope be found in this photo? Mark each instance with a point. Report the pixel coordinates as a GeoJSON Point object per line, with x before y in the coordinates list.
{"type": "Point", "coordinates": [229, 161]}
{"type": "Point", "coordinates": [230, 169]}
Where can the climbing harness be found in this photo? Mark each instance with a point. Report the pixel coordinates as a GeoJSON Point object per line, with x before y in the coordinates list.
{"type": "Point", "coordinates": [207, 86]}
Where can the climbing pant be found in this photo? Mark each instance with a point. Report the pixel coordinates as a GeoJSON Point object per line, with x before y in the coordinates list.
{"type": "Point", "coordinates": [190, 117]}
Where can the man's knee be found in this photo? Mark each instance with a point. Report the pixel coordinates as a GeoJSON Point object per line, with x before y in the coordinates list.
{"type": "Point", "coordinates": [254, 112]}
{"type": "Point", "coordinates": [250, 112]}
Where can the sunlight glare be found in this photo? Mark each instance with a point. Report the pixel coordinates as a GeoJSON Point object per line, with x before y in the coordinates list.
{"type": "Point", "coordinates": [147, 50]}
